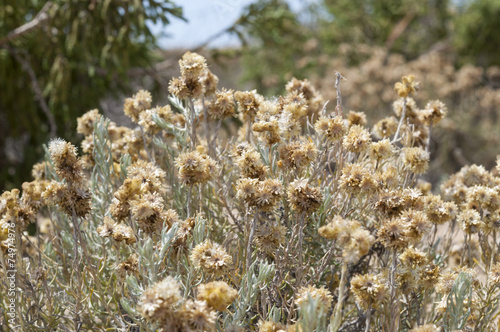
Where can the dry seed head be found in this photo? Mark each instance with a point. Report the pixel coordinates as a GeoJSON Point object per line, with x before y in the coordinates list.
{"type": "Point", "coordinates": [209, 82]}
{"type": "Point", "coordinates": [359, 245]}
{"type": "Point", "coordinates": [183, 87]}
{"type": "Point", "coordinates": [192, 65]}
{"type": "Point", "coordinates": [356, 118]}
{"type": "Point", "coordinates": [411, 111]}
{"type": "Point", "coordinates": [184, 231]}
{"type": "Point", "coordinates": [268, 238]}
{"type": "Point", "coordinates": [407, 86]}
{"type": "Point", "coordinates": [195, 168]}
{"type": "Point", "coordinates": [381, 150]}
{"type": "Point", "coordinates": [385, 128]}
{"type": "Point", "coordinates": [434, 112]}
{"type": "Point", "coordinates": [437, 211]}
{"type": "Point", "coordinates": [248, 104]}
{"type": "Point", "coordinates": [355, 178]}
{"type": "Point", "coordinates": [66, 162]}
{"type": "Point", "coordinates": [217, 294]}
{"type": "Point", "coordinates": [415, 160]}
{"type": "Point", "coordinates": [140, 102]}
{"type": "Point", "coordinates": [86, 122]}
{"type": "Point", "coordinates": [357, 139]}
{"type": "Point", "coordinates": [146, 118]}
{"type": "Point", "coordinates": [125, 233]}
{"type": "Point", "coordinates": [198, 316]}
{"type": "Point", "coordinates": [470, 220]}
{"type": "Point", "coordinates": [413, 259]}
{"type": "Point", "coordinates": [128, 267]}
{"type": "Point", "coordinates": [297, 155]}
{"type": "Point", "coordinates": [295, 104]}
{"type": "Point", "coordinates": [270, 326]}
{"type": "Point", "coordinates": [39, 170]}
{"type": "Point", "coordinates": [393, 234]}
{"type": "Point", "coordinates": [418, 224]}
{"type": "Point", "coordinates": [304, 198]}
{"type": "Point", "coordinates": [223, 105]}
{"type": "Point", "coordinates": [322, 294]}
{"type": "Point", "coordinates": [289, 126]}
{"type": "Point", "coordinates": [369, 291]}
{"type": "Point", "coordinates": [151, 177]}
{"type": "Point", "coordinates": [160, 300]}
{"type": "Point", "coordinates": [211, 258]}
{"type": "Point", "coordinates": [269, 131]}
{"type": "Point", "coordinates": [250, 162]}
{"type": "Point", "coordinates": [333, 129]}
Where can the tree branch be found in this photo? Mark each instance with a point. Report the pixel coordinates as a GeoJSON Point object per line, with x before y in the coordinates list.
{"type": "Point", "coordinates": [39, 19]}
{"type": "Point", "coordinates": [26, 66]}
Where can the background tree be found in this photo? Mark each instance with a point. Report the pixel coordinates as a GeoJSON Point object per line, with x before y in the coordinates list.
{"type": "Point", "coordinates": [58, 59]}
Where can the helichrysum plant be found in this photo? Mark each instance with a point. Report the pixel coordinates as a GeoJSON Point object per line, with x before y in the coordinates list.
{"type": "Point", "coordinates": [302, 218]}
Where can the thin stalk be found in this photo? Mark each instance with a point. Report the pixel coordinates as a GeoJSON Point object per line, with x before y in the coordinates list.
{"type": "Point", "coordinates": [367, 323]}
{"type": "Point", "coordinates": [428, 146]}
{"type": "Point", "coordinates": [394, 313]}
{"type": "Point", "coordinates": [192, 122]}
{"type": "Point", "coordinates": [337, 313]}
{"type": "Point", "coordinates": [249, 244]}
{"type": "Point", "coordinates": [403, 114]}
{"type": "Point", "coordinates": [300, 251]}
{"type": "Point", "coordinates": [189, 201]}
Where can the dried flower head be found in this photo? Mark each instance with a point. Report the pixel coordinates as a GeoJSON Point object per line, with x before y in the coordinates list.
{"type": "Point", "coordinates": [270, 326]}
{"type": "Point", "coordinates": [151, 177]}
{"type": "Point", "coordinates": [434, 112]}
{"type": "Point", "coordinates": [333, 129]}
{"type": "Point", "coordinates": [385, 128]}
{"type": "Point", "coordinates": [217, 294]}
{"type": "Point", "coordinates": [198, 316]}
{"type": "Point", "coordinates": [322, 295]}
{"type": "Point", "coordinates": [160, 300]}
{"type": "Point", "coordinates": [381, 150]}
{"type": "Point", "coordinates": [355, 178]}
{"type": "Point", "coordinates": [248, 104]}
{"type": "Point", "coordinates": [128, 267]}
{"type": "Point", "coordinates": [415, 160]}
{"type": "Point", "coordinates": [183, 87]}
{"type": "Point", "coordinates": [192, 65]}
{"type": "Point", "coordinates": [357, 139]}
{"type": "Point", "coordinates": [250, 162]}
{"type": "Point", "coordinates": [303, 197]}
{"type": "Point", "coordinates": [195, 168]}
{"type": "Point", "coordinates": [393, 234]}
{"type": "Point", "coordinates": [297, 155]}
{"type": "Point", "coordinates": [470, 220]}
{"type": "Point", "coordinates": [66, 163]}
{"type": "Point", "coordinates": [407, 86]}
{"type": "Point", "coordinates": [356, 118]}
{"type": "Point", "coordinates": [87, 121]}
{"type": "Point", "coordinates": [147, 122]}
{"type": "Point", "coordinates": [369, 291]}
{"type": "Point", "coordinates": [269, 237]}
{"type": "Point", "coordinates": [209, 82]}
{"type": "Point", "coordinates": [140, 102]}
{"type": "Point", "coordinates": [222, 106]}
{"type": "Point", "coordinates": [211, 258]}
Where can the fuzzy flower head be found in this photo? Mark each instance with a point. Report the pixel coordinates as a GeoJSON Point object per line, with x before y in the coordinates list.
{"type": "Point", "coordinates": [434, 112]}
{"type": "Point", "coordinates": [297, 155]}
{"type": "Point", "coordinates": [407, 86]}
{"type": "Point", "coordinates": [303, 197]}
{"type": "Point", "coordinates": [263, 195]}
{"type": "Point", "coordinates": [355, 178]}
{"type": "Point", "coordinates": [248, 104]}
{"type": "Point", "coordinates": [470, 220]}
{"type": "Point", "coordinates": [323, 296]}
{"type": "Point", "coordinates": [381, 150]}
{"type": "Point", "coordinates": [357, 139]}
{"type": "Point", "coordinates": [217, 294]}
{"type": "Point", "coordinates": [158, 301]}
{"type": "Point", "coordinates": [369, 290]}
{"type": "Point", "coordinates": [198, 316]}
{"type": "Point", "coordinates": [195, 168]}
{"type": "Point", "coordinates": [415, 160]}
{"type": "Point", "coordinates": [249, 162]}
{"type": "Point", "coordinates": [86, 122]}
{"type": "Point", "coordinates": [67, 165]}
{"type": "Point", "coordinates": [192, 65]}
{"type": "Point", "coordinates": [223, 105]}
{"type": "Point", "coordinates": [269, 237]}
{"type": "Point", "coordinates": [386, 127]}
{"type": "Point", "coordinates": [140, 102]}
{"type": "Point", "coordinates": [147, 122]}
{"type": "Point", "coordinates": [333, 129]}
{"type": "Point", "coordinates": [211, 258]}
{"type": "Point", "coordinates": [183, 87]}
{"type": "Point", "coordinates": [393, 234]}
{"type": "Point", "coordinates": [151, 177]}
{"type": "Point", "coordinates": [356, 118]}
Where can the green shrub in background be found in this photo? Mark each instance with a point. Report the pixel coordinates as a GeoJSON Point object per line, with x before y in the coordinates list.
{"type": "Point", "coordinates": [57, 60]}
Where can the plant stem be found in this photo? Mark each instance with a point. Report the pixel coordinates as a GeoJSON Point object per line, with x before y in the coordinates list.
{"type": "Point", "coordinates": [301, 239]}
{"type": "Point", "coordinates": [394, 313]}
{"type": "Point", "coordinates": [337, 314]}
{"type": "Point", "coordinates": [403, 114]}
{"type": "Point", "coordinates": [367, 324]}
{"type": "Point", "coordinates": [249, 244]}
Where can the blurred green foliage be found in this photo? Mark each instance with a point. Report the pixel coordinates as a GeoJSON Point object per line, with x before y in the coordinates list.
{"type": "Point", "coordinates": [72, 54]}
{"type": "Point", "coordinates": [279, 43]}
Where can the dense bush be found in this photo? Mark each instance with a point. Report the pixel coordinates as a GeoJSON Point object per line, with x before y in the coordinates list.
{"type": "Point", "coordinates": [298, 219]}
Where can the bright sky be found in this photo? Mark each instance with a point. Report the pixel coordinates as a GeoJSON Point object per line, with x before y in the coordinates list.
{"type": "Point", "coordinates": [207, 18]}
